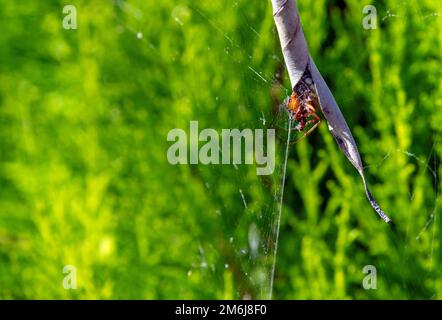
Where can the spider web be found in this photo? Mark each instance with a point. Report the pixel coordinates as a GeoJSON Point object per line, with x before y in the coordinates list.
{"type": "Point", "coordinates": [253, 239]}
{"type": "Point", "coordinates": [252, 235]}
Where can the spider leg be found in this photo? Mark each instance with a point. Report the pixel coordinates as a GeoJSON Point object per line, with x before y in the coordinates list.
{"type": "Point", "coordinates": [291, 129]}
{"type": "Point", "coordinates": [282, 128]}
{"type": "Point", "coordinates": [308, 132]}
{"type": "Point", "coordinates": [316, 117]}
{"type": "Point", "coordinates": [310, 108]}
{"type": "Point", "coordinates": [281, 108]}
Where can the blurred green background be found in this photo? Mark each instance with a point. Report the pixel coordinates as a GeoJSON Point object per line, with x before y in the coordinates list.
{"type": "Point", "coordinates": [84, 178]}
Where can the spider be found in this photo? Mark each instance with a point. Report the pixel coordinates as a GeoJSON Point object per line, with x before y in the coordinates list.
{"type": "Point", "coordinates": [302, 104]}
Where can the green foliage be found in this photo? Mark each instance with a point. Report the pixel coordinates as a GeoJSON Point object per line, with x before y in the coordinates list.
{"type": "Point", "coordinates": [84, 178]}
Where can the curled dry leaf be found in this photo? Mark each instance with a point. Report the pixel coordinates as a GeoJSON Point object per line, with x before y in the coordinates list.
{"type": "Point", "coordinates": [298, 59]}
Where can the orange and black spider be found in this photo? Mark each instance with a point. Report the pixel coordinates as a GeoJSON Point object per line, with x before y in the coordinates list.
{"type": "Point", "coordinates": [302, 105]}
